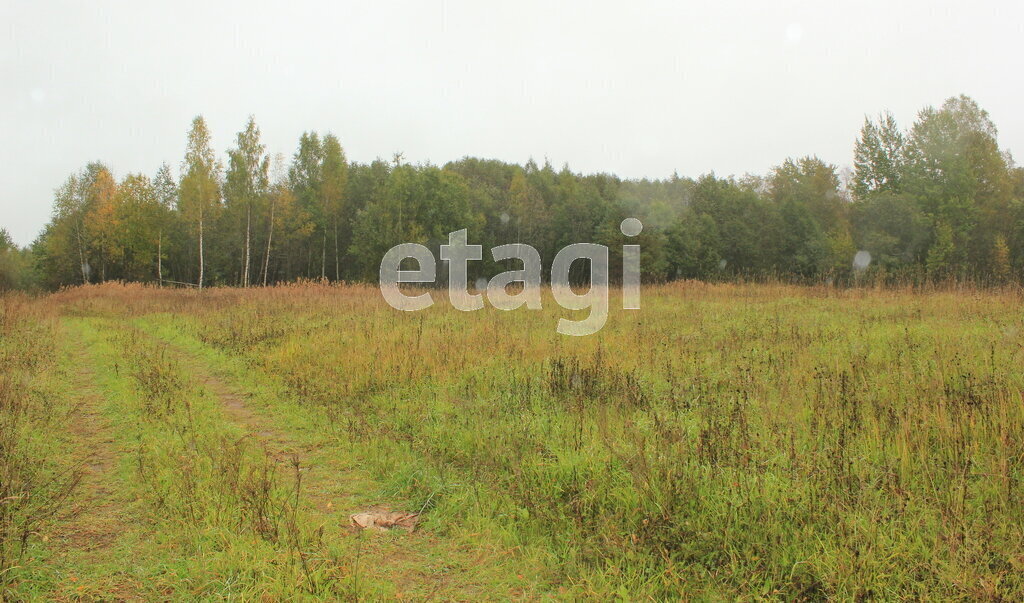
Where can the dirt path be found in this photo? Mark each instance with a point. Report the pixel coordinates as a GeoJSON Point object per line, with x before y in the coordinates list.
{"type": "Point", "coordinates": [418, 564]}
{"type": "Point", "coordinates": [108, 547]}
{"type": "Point", "coordinates": [317, 479]}
{"type": "Point", "coordinates": [237, 410]}
{"type": "Point", "coordinates": [96, 518]}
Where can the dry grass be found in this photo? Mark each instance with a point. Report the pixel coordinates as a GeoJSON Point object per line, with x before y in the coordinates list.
{"type": "Point", "coordinates": [727, 440]}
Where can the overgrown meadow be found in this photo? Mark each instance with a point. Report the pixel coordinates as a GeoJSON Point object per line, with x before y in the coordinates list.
{"type": "Point", "coordinates": [726, 441]}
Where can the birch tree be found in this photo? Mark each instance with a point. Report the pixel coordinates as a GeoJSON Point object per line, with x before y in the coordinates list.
{"type": "Point", "coordinates": [101, 218]}
{"type": "Point", "coordinates": [200, 184]}
{"type": "Point", "coordinates": [305, 177]}
{"type": "Point", "coordinates": [246, 185]}
{"type": "Point", "coordinates": [69, 223]}
{"type": "Point", "coordinates": [279, 202]}
{"type": "Point", "coordinates": [334, 173]}
{"type": "Point", "coordinates": [167, 197]}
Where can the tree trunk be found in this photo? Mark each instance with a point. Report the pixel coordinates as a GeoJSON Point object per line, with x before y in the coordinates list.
{"type": "Point", "coordinates": [323, 257]}
{"type": "Point", "coordinates": [337, 254]}
{"type": "Point", "coordinates": [160, 257]}
{"type": "Point", "coordinates": [270, 238]}
{"type": "Point", "coordinates": [248, 223]}
{"type": "Point", "coordinates": [81, 255]}
{"type": "Point", "coordinates": [200, 254]}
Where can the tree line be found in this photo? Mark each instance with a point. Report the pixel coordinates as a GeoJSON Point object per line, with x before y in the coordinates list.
{"type": "Point", "coordinates": [937, 200]}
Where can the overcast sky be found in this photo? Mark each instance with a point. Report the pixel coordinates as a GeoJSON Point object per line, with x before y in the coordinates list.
{"type": "Point", "coordinates": [638, 88]}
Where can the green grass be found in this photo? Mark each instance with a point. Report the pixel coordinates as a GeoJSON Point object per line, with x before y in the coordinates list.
{"type": "Point", "coordinates": [724, 442]}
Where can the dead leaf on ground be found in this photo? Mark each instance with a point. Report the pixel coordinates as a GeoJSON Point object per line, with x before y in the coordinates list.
{"type": "Point", "coordinates": [384, 520]}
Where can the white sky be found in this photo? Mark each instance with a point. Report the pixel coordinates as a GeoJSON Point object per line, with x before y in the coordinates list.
{"type": "Point", "coordinates": [638, 88]}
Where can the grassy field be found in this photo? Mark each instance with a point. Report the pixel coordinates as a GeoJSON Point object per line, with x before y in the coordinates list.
{"type": "Point", "coordinates": [727, 441]}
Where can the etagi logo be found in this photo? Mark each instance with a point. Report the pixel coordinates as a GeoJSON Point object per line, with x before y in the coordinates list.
{"type": "Point", "coordinates": [458, 253]}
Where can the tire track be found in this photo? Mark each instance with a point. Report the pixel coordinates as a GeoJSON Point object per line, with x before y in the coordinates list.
{"type": "Point", "coordinates": [414, 563]}
{"type": "Point", "coordinates": [96, 519]}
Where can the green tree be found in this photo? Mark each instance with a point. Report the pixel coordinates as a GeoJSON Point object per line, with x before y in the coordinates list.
{"type": "Point", "coordinates": [65, 238]}
{"type": "Point", "coordinates": [306, 177]}
{"type": "Point", "coordinates": [692, 245]}
{"type": "Point", "coordinates": [10, 265]}
{"type": "Point", "coordinates": [959, 177]}
{"type": "Point", "coordinates": [280, 210]}
{"type": "Point", "coordinates": [138, 219]}
{"type": "Point", "coordinates": [813, 184]}
{"type": "Point", "coordinates": [1001, 268]}
{"type": "Point", "coordinates": [746, 227]}
{"type": "Point", "coordinates": [101, 219]}
{"type": "Point", "coordinates": [418, 205]}
{"type": "Point", "coordinates": [334, 181]}
{"type": "Point", "coordinates": [941, 252]}
{"type": "Point", "coordinates": [245, 187]}
{"type": "Point", "coordinates": [166, 192]}
{"type": "Point", "coordinates": [952, 152]}
{"type": "Point", "coordinates": [878, 157]}
{"type": "Point", "coordinates": [892, 228]}
{"type": "Point", "coordinates": [199, 192]}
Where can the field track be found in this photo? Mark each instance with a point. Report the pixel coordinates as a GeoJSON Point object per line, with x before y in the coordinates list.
{"type": "Point", "coordinates": [727, 442]}
{"type": "Point", "coordinates": [109, 551]}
